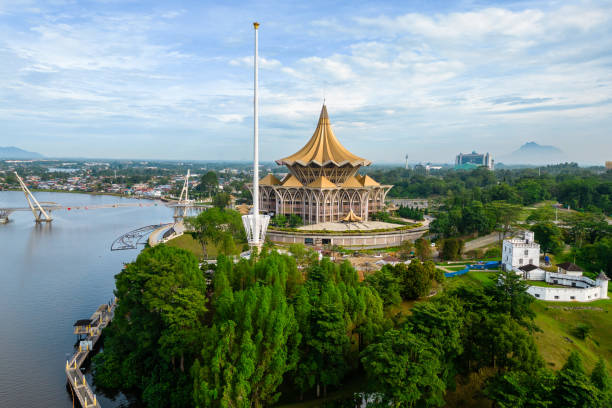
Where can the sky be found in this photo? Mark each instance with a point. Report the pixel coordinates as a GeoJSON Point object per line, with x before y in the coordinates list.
{"type": "Point", "coordinates": [427, 79]}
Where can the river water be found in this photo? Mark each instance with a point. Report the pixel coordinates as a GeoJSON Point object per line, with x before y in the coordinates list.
{"type": "Point", "coordinates": [50, 276]}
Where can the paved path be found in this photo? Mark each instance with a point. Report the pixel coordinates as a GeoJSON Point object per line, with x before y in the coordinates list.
{"type": "Point", "coordinates": [481, 241]}
{"type": "Point", "coordinates": [100, 319]}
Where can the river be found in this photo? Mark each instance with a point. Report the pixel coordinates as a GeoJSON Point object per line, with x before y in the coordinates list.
{"type": "Point", "coordinates": [50, 276]}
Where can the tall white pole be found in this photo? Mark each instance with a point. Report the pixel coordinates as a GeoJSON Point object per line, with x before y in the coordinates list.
{"type": "Point", "coordinates": [256, 142]}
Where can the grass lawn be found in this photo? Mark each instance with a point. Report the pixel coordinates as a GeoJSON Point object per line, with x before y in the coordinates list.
{"type": "Point", "coordinates": [557, 320]}
{"type": "Point", "coordinates": [186, 241]}
{"type": "Point", "coordinates": [455, 268]}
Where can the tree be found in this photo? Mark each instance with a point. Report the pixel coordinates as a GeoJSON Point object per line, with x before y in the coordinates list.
{"type": "Point", "coordinates": [208, 183]}
{"type": "Point", "coordinates": [323, 328]}
{"type": "Point", "coordinates": [549, 236]}
{"type": "Point", "coordinates": [422, 249]}
{"type": "Point", "coordinates": [403, 370]}
{"type": "Point", "coordinates": [510, 296]}
{"type": "Point", "coordinates": [600, 378]}
{"type": "Point", "coordinates": [405, 249]}
{"type": "Point", "coordinates": [295, 221]}
{"type": "Point", "coordinates": [504, 216]}
{"type": "Point", "coordinates": [218, 226]}
{"type": "Point", "coordinates": [572, 386]}
{"type": "Point", "coordinates": [521, 389]}
{"type": "Point", "coordinates": [221, 200]}
{"type": "Point", "coordinates": [596, 257]}
{"type": "Point", "coordinates": [415, 280]}
{"type": "Point", "coordinates": [157, 325]}
{"type": "Point", "coordinates": [247, 351]}
{"type": "Point", "coordinates": [386, 284]}
{"type": "Point", "coordinates": [440, 323]}
{"type": "Point", "coordinates": [452, 248]}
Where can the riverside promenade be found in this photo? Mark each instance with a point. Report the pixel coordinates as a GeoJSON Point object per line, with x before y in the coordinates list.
{"type": "Point", "coordinates": [92, 329]}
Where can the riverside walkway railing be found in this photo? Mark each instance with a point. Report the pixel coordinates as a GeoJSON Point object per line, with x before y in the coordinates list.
{"type": "Point", "coordinates": [100, 319]}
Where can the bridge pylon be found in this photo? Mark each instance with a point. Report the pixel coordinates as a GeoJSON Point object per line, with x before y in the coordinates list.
{"type": "Point", "coordinates": [40, 215]}
{"type": "Point", "coordinates": [184, 203]}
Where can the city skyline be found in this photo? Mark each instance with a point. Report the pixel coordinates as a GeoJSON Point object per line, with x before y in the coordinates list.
{"type": "Point", "coordinates": [431, 79]}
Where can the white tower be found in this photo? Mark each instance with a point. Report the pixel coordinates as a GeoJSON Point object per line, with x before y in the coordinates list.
{"type": "Point", "coordinates": [255, 224]}
{"type": "Point", "coordinates": [602, 282]}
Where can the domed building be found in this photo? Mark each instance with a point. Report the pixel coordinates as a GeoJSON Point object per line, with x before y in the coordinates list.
{"type": "Point", "coordinates": [323, 184]}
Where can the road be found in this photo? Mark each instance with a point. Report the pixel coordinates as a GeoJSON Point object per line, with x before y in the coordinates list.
{"type": "Point", "coordinates": [481, 241]}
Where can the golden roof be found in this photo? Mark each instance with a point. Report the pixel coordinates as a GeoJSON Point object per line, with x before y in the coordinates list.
{"type": "Point", "coordinates": [368, 181]}
{"type": "Point", "coordinates": [291, 181]}
{"type": "Point", "coordinates": [243, 209]}
{"type": "Point", "coordinates": [323, 148]}
{"type": "Point", "coordinates": [352, 182]}
{"type": "Point", "coordinates": [351, 217]}
{"type": "Point", "coordinates": [322, 182]}
{"type": "Point", "coordinates": [269, 180]}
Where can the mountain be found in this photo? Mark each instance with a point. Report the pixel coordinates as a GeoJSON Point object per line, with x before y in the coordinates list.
{"type": "Point", "coordinates": [12, 152]}
{"type": "Point", "coordinates": [533, 153]}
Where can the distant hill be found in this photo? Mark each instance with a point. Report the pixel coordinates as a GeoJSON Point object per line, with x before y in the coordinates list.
{"type": "Point", "coordinates": [533, 153]}
{"type": "Point", "coordinates": [12, 152]}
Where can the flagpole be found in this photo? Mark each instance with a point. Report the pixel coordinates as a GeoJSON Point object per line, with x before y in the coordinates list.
{"type": "Point", "coordinates": [256, 141]}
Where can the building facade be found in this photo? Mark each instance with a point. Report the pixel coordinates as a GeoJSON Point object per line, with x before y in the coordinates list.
{"type": "Point", "coordinates": [323, 184]}
{"type": "Point", "coordinates": [517, 252]}
{"type": "Point", "coordinates": [474, 159]}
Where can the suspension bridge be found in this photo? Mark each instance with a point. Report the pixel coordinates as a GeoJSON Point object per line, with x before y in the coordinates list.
{"type": "Point", "coordinates": [42, 210]}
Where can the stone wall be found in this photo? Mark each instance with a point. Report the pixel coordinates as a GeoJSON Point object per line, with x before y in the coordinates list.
{"type": "Point", "coordinates": [565, 294]}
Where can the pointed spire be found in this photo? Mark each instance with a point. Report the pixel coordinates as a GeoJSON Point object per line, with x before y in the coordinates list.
{"type": "Point", "coordinates": [323, 148]}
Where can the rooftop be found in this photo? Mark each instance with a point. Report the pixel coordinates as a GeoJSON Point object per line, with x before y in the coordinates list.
{"type": "Point", "coordinates": [568, 266]}
{"type": "Point", "coordinates": [323, 148]}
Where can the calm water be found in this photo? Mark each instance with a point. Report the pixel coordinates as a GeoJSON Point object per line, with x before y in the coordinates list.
{"type": "Point", "coordinates": [51, 276]}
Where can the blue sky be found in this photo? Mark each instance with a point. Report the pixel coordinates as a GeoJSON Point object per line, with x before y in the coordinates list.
{"type": "Point", "coordinates": [173, 80]}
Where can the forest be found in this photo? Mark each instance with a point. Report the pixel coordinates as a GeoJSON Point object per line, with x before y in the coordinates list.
{"type": "Point", "coordinates": [286, 327]}
{"type": "Point", "coordinates": [573, 186]}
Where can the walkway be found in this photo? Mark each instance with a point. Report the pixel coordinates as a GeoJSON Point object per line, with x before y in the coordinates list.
{"type": "Point", "coordinates": [481, 241]}
{"type": "Point", "coordinates": [99, 320]}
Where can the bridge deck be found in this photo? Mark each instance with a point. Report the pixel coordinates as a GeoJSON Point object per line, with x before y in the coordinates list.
{"type": "Point", "coordinates": [100, 319]}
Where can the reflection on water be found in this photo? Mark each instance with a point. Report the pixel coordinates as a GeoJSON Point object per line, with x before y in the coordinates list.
{"type": "Point", "coordinates": [51, 275]}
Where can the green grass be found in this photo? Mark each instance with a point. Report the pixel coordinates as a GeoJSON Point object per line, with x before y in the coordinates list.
{"type": "Point", "coordinates": [186, 241]}
{"type": "Point", "coordinates": [557, 320]}
{"type": "Point", "coordinates": [455, 268]}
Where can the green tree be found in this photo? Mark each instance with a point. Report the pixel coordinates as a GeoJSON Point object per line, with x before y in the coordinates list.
{"type": "Point", "coordinates": [415, 279]}
{"type": "Point", "coordinates": [246, 353]}
{"type": "Point", "coordinates": [521, 389]}
{"type": "Point", "coordinates": [404, 371]}
{"type": "Point", "coordinates": [510, 296]}
{"type": "Point", "coordinates": [600, 378]}
{"type": "Point", "coordinates": [386, 284]}
{"type": "Point", "coordinates": [596, 257]}
{"type": "Point", "coordinates": [209, 183]}
{"type": "Point", "coordinates": [440, 323]}
{"type": "Point", "coordinates": [549, 236]}
{"type": "Point", "coordinates": [504, 215]}
{"type": "Point", "coordinates": [452, 248]}
{"type": "Point", "coordinates": [157, 325]}
{"type": "Point", "coordinates": [218, 226]}
{"type": "Point", "coordinates": [422, 249]}
{"type": "Point", "coordinates": [221, 200]}
{"type": "Point", "coordinates": [322, 361]}
{"type": "Point", "coordinates": [572, 386]}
